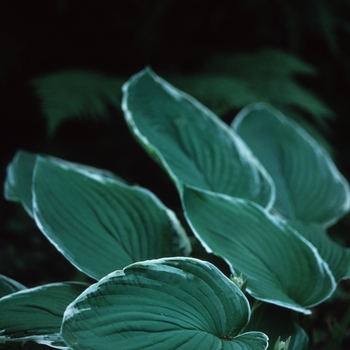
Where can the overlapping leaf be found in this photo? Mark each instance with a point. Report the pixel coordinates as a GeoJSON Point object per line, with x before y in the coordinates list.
{"type": "Point", "coordinates": [277, 323]}
{"type": "Point", "coordinates": [9, 286]}
{"type": "Point", "coordinates": [174, 303]}
{"type": "Point", "coordinates": [283, 268]}
{"type": "Point", "coordinates": [36, 314]}
{"type": "Point", "coordinates": [18, 183]}
{"type": "Point", "coordinates": [190, 142]}
{"type": "Point", "coordinates": [336, 256]}
{"type": "Point", "coordinates": [310, 191]}
{"type": "Point", "coordinates": [309, 187]}
{"type": "Point", "coordinates": [99, 223]}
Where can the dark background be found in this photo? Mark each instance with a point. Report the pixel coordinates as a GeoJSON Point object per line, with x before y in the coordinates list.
{"type": "Point", "coordinates": [118, 39]}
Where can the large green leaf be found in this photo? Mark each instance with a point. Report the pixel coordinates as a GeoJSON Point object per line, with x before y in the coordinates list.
{"type": "Point", "coordinates": [309, 187]}
{"type": "Point", "coordinates": [174, 303]}
{"type": "Point", "coordinates": [99, 223]}
{"type": "Point", "coordinates": [282, 267]}
{"type": "Point", "coordinates": [190, 142]}
{"type": "Point", "coordinates": [36, 314]}
{"type": "Point", "coordinates": [336, 256]}
{"type": "Point", "coordinates": [278, 322]}
{"type": "Point", "coordinates": [18, 183]}
{"type": "Point", "coordinates": [9, 286]}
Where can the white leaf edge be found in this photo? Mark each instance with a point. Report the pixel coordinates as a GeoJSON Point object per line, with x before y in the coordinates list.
{"type": "Point", "coordinates": [178, 95]}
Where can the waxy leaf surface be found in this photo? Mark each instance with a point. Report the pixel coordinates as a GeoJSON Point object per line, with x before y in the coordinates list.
{"type": "Point", "coordinates": [336, 256]}
{"type": "Point", "coordinates": [36, 313]}
{"type": "Point", "coordinates": [172, 303]}
{"type": "Point", "coordinates": [99, 223]}
{"type": "Point", "coordinates": [309, 188]}
{"type": "Point", "coordinates": [282, 267]}
{"type": "Point", "coordinates": [19, 179]}
{"type": "Point", "coordinates": [193, 145]}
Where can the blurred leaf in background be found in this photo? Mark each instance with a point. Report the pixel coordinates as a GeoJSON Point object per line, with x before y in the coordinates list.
{"type": "Point", "coordinates": [76, 93]}
{"type": "Point", "coordinates": [228, 82]}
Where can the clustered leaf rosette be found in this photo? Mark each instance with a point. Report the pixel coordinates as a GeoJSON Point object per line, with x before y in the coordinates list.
{"type": "Point", "coordinates": [260, 194]}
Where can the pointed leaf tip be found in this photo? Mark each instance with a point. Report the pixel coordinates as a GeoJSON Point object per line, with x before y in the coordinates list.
{"type": "Point", "coordinates": [262, 248]}
{"type": "Point", "coordinates": [309, 187]}
{"type": "Point", "coordinates": [191, 143]}
{"type": "Point", "coordinates": [18, 182]}
{"type": "Point", "coordinates": [87, 214]}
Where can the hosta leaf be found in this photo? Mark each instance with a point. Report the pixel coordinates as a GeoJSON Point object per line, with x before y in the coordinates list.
{"type": "Point", "coordinates": [99, 223]}
{"type": "Point", "coordinates": [190, 142]}
{"type": "Point", "coordinates": [72, 94]}
{"type": "Point", "coordinates": [36, 313]}
{"type": "Point", "coordinates": [173, 303]}
{"type": "Point", "coordinates": [262, 248]}
{"type": "Point", "coordinates": [9, 286]}
{"type": "Point", "coordinates": [18, 183]}
{"type": "Point", "coordinates": [309, 186]}
{"type": "Point", "coordinates": [278, 322]}
{"type": "Point", "coordinates": [336, 256]}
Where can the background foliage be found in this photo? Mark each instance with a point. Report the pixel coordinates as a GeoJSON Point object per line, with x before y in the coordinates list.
{"type": "Point", "coordinates": [62, 64]}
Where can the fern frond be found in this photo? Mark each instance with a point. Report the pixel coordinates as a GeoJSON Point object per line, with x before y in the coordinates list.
{"type": "Point", "coordinates": [218, 92]}
{"type": "Point", "coordinates": [269, 75]}
{"type": "Point", "coordinates": [75, 93]}
{"type": "Point", "coordinates": [259, 64]}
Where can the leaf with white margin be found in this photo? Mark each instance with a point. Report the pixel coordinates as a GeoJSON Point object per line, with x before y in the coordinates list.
{"type": "Point", "coordinates": [18, 182]}
{"type": "Point", "coordinates": [171, 303]}
{"type": "Point", "coordinates": [36, 314]}
{"type": "Point", "coordinates": [309, 187]}
{"type": "Point", "coordinates": [99, 223]}
{"type": "Point", "coordinates": [336, 256]}
{"type": "Point", "coordinates": [282, 267]}
{"type": "Point", "coordinates": [192, 144]}
{"type": "Point", "coordinates": [9, 286]}
{"type": "Point", "coordinates": [277, 322]}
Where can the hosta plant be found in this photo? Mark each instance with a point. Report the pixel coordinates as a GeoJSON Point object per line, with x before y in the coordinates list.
{"type": "Point", "coordinates": [260, 194]}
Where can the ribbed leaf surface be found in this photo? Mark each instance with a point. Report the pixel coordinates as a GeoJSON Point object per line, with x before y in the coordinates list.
{"type": "Point", "coordinates": [283, 268]}
{"type": "Point", "coordinates": [309, 187]}
{"type": "Point", "coordinates": [336, 256]}
{"type": "Point", "coordinates": [99, 223]}
{"type": "Point", "coordinates": [36, 313]}
{"type": "Point", "coordinates": [190, 142]}
{"type": "Point", "coordinates": [174, 303]}
{"type": "Point", "coordinates": [18, 183]}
